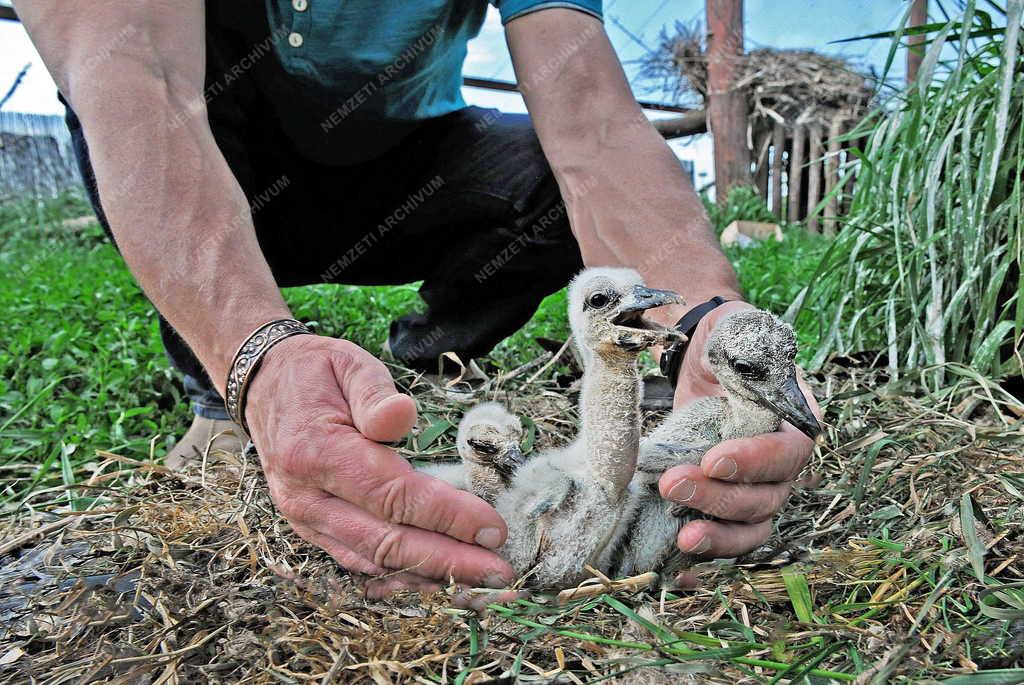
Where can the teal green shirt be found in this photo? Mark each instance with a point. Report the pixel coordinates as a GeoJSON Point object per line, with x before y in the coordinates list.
{"type": "Point", "coordinates": [351, 77]}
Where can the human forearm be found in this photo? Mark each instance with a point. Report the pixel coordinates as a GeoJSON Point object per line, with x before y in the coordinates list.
{"type": "Point", "coordinates": [319, 407]}
{"type": "Point", "coordinates": [184, 227]}
{"type": "Point", "coordinates": [628, 199]}
{"type": "Point", "coordinates": [134, 75]}
{"type": "Point", "coordinates": [640, 211]}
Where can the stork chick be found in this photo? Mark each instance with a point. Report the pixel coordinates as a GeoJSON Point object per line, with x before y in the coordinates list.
{"type": "Point", "coordinates": [488, 444]}
{"type": "Point", "coordinates": [751, 353]}
{"type": "Point", "coordinates": [565, 508]}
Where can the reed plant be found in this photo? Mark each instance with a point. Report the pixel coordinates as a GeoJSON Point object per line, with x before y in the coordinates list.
{"type": "Point", "coordinates": [926, 269]}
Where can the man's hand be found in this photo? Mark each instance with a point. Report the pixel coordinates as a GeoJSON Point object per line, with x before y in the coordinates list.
{"type": "Point", "coordinates": [318, 409]}
{"type": "Point", "coordinates": [743, 483]}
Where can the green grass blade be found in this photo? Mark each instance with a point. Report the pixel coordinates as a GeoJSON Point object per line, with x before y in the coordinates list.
{"type": "Point", "coordinates": [1005, 676]}
{"type": "Point", "coordinates": [975, 548]}
{"type": "Point", "coordinates": [799, 594]}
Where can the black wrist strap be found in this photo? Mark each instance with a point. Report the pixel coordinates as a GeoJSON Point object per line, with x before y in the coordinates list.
{"type": "Point", "coordinates": [672, 358]}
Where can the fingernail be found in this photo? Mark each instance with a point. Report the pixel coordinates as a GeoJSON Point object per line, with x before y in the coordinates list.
{"type": "Point", "coordinates": [703, 546]}
{"type": "Point", "coordinates": [488, 537]}
{"type": "Point", "coordinates": [724, 469]}
{"type": "Point", "coordinates": [495, 581]}
{"type": "Point", "coordinates": [683, 491]}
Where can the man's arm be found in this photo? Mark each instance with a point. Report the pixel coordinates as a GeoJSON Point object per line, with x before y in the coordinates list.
{"type": "Point", "coordinates": [317, 406]}
{"type": "Point", "coordinates": [630, 204]}
{"type": "Point", "coordinates": [182, 190]}
{"type": "Point", "coordinates": [629, 201]}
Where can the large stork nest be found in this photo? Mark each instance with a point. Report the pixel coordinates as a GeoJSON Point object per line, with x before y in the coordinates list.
{"type": "Point", "coordinates": [899, 561]}
{"type": "Point", "coordinates": [786, 86]}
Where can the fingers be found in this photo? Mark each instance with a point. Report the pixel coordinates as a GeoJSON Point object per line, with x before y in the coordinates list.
{"type": "Point", "coordinates": [383, 483]}
{"type": "Point", "coordinates": [379, 411]}
{"type": "Point", "coordinates": [767, 458]}
{"type": "Point", "coordinates": [744, 502]}
{"type": "Point", "coordinates": [361, 542]}
{"type": "Point", "coordinates": [374, 478]}
{"type": "Point", "coordinates": [346, 557]}
{"type": "Point", "coordinates": [718, 539]}
{"type": "Point", "coordinates": [378, 582]}
{"type": "Point", "coordinates": [379, 588]}
{"type": "Point", "coordinates": [478, 601]}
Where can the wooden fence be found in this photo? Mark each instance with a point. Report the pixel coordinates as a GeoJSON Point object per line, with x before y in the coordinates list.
{"type": "Point", "coordinates": [796, 166]}
{"type": "Point", "coordinates": [36, 158]}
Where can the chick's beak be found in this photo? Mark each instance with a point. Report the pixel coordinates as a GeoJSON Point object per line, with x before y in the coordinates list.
{"type": "Point", "coordinates": [642, 298]}
{"type": "Point", "coordinates": [514, 457]}
{"type": "Point", "coordinates": [789, 402]}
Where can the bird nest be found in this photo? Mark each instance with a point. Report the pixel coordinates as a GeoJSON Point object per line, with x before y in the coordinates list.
{"type": "Point", "coordinates": [898, 559]}
{"type": "Point", "coordinates": [784, 86]}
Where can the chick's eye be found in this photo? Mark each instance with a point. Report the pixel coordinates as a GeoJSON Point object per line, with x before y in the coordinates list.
{"type": "Point", "coordinates": [597, 300]}
{"type": "Point", "coordinates": [483, 447]}
{"type": "Point", "coordinates": [747, 369]}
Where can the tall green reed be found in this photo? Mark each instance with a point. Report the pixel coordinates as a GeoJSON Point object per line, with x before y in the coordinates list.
{"type": "Point", "coordinates": [927, 266]}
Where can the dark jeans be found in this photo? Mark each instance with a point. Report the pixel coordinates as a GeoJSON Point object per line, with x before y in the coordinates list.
{"type": "Point", "coordinates": [467, 204]}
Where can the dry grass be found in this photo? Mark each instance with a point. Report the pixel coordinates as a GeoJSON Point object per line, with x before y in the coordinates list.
{"type": "Point", "coordinates": [900, 560]}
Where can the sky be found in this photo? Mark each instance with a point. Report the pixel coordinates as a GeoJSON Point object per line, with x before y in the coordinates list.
{"type": "Point", "coordinates": [633, 25]}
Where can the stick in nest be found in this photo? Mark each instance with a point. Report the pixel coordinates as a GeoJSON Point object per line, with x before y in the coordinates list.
{"type": "Point", "coordinates": [601, 584]}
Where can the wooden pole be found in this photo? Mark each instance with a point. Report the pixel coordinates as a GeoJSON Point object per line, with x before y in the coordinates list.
{"type": "Point", "coordinates": [832, 173]}
{"type": "Point", "coordinates": [915, 49]}
{"type": "Point", "coordinates": [796, 175]}
{"type": "Point", "coordinates": [513, 87]}
{"type": "Point", "coordinates": [763, 142]}
{"type": "Point", "coordinates": [860, 144]}
{"type": "Point", "coordinates": [689, 124]}
{"type": "Point", "coordinates": [727, 106]}
{"type": "Point", "coordinates": [814, 178]}
{"type": "Point", "coordinates": [778, 148]}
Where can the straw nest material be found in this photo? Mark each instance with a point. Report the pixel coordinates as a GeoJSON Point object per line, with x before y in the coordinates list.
{"type": "Point", "coordinates": [785, 86]}
{"type": "Point", "coordinates": [898, 560]}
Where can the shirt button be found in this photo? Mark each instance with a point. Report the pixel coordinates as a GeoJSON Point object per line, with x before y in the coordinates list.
{"type": "Point", "coordinates": [295, 39]}
{"type": "Point", "coordinates": [299, 5]}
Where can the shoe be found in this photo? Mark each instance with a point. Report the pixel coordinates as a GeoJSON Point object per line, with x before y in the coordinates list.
{"type": "Point", "coordinates": [220, 435]}
{"type": "Point", "coordinates": [457, 381]}
{"type": "Point", "coordinates": [451, 377]}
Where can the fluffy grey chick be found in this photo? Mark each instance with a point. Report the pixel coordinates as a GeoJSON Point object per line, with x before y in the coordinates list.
{"type": "Point", "coordinates": [751, 354]}
{"type": "Point", "coordinates": [488, 443]}
{"type": "Point", "coordinates": [565, 507]}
